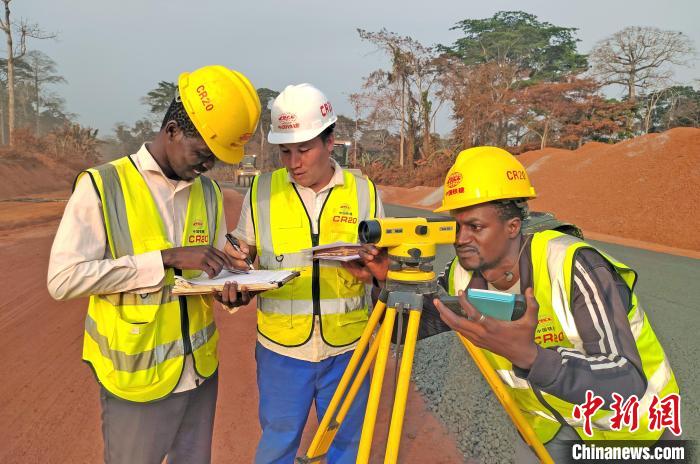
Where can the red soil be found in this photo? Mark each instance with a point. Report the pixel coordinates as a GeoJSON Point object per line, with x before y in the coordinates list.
{"type": "Point", "coordinates": [645, 189]}
{"type": "Point", "coordinates": [640, 191]}
{"type": "Point", "coordinates": [49, 398]}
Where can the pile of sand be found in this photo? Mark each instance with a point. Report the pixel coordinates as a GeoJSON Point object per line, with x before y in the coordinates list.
{"type": "Point", "coordinates": [645, 188]}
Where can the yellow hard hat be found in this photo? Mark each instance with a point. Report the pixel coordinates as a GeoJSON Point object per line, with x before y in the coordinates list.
{"type": "Point", "coordinates": [483, 174]}
{"type": "Point", "coordinates": [224, 107]}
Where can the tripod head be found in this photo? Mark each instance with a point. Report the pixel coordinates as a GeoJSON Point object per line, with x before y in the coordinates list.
{"type": "Point", "coordinates": [411, 243]}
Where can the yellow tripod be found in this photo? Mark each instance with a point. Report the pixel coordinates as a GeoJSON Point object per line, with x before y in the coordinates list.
{"type": "Point", "coordinates": [410, 277]}
{"type": "Point", "coordinates": [399, 296]}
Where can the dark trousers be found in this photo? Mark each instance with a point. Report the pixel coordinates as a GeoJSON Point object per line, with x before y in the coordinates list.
{"type": "Point", "coordinates": [179, 427]}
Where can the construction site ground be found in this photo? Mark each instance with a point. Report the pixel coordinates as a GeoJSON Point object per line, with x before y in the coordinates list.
{"type": "Point", "coordinates": [50, 403]}
{"type": "Point", "coordinates": [643, 193]}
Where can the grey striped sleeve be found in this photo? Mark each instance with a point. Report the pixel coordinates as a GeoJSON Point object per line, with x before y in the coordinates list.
{"type": "Point", "coordinates": [609, 362]}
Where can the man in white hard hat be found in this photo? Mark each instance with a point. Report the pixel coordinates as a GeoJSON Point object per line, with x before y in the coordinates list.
{"type": "Point", "coordinates": [307, 329]}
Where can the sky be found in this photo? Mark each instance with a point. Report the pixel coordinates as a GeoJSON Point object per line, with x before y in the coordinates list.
{"type": "Point", "coordinates": [112, 53]}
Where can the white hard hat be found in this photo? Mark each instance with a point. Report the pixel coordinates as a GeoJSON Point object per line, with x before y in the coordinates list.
{"type": "Point", "coordinates": [299, 113]}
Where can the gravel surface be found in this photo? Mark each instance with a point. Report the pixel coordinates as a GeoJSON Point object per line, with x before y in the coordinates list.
{"type": "Point", "coordinates": [456, 392]}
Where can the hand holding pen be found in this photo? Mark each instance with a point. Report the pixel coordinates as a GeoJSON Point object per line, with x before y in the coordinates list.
{"type": "Point", "coordinates": [237, 247]}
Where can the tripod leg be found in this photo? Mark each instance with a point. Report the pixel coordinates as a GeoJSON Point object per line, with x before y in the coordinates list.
{"type": "Point", "coordinates": [375, 389]}
{"type": "Point", "coordinates": [399, 409]}
{"type": "Point", "coordinates": [357, 383]}
{"type": "Point", "coordinates": [329, 436]}
{"type": "Point", "coordinates": [328, 426]}
{"type": "Point", "coordinates": [507, 402]}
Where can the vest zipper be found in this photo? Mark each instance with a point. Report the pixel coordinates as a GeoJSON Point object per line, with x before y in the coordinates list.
{"type": "Point", "coordinates": [184, 321]}
{"type": "Point", "coordinates": [315, 280]}
{"type": "Point", "coordinates": [316, 267]}
{"type": "Point", "coordinates": [316, 274]}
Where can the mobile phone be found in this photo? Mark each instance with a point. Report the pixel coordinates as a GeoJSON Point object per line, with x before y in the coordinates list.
{"type": "Point", "coordinates": [499, 305]}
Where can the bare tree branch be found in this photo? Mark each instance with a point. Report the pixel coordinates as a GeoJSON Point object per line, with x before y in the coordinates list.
{"type": "Point", "coordinates": [25, 30]}
{"type": "Point", "coordinates": [640, 58]}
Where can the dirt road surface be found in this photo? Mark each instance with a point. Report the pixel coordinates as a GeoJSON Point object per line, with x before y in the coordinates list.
{"type": "Point", "coordinates": [49, 407]}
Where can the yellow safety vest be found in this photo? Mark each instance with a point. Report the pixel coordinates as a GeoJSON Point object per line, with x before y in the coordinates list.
{"type": "Point", "coordinates": [282, 232]}
{"type": "Point", "coordinates": [552, 262]}
{"type": "Point", "coordinates": [136, 343]}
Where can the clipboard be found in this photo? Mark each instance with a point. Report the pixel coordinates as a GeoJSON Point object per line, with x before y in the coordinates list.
{"type": "Point", "coordinates": [254, 281]}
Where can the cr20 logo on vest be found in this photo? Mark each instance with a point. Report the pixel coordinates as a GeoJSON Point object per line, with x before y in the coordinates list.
{"type": "Point", "coordinates": [344, 214]}
{"type": "Point", "coordinates": [198, 238]}
{"type": "Point", "coordinates": [454, 180]}
{"type": "Point", "coordinates": [198, 234]}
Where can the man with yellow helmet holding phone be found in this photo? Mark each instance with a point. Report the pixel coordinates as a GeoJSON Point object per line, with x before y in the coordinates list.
{"type": "Point", "coordinates": [129, 227]}
{"type": "Point", "coordinates": [583, 328]}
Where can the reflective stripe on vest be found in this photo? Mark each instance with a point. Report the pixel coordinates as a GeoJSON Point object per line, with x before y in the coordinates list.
{"type": "Point", "coordinates": [553, 256]}
{"type": "Point", "coordinates": [283, 231]}
{"type": "Point", "coordinates": [128, 362]}
{"type": "Point", "coordinates": [134, 342]}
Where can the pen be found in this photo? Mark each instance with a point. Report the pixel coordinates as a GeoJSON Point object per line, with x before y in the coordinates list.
{"type": "Point", "coordinates": [234, 243]}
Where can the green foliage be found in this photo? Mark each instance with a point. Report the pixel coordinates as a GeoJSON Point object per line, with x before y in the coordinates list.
{"type": "Point", "coordinates": [36, 106]}
{"type": "Point", "coordinates": [158, 100]}
{"type": "Point", "coordinates": [128, 140]}
{"type": "Point", "coordinates": [23, 70]}
{"type": "Point", "coordinates": [266, 97]}
{"type": "Point", "coordinates": [539, 50]}
{"type": "Point", "coordinates": [344, 128]}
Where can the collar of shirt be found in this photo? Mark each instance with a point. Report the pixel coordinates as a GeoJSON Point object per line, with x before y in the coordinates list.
{"type": "Point", "coordinates": [145, 162]}
{"type": "Point", "coordinates": [337, 178]}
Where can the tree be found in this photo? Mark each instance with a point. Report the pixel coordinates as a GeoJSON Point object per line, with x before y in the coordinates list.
{"type": "Point", "coordinates": [407, 91]}
{"type": "Point", "coordinates": [496, 56]}
{"type": "Point", "coordinates": [639, 58]}
{"type": "Point", "coordinates": [359, 106]}
{"type": "Point", "coordinates": [564, 113]}
{"type": "Point", "coordinates": [129, 139]}
{"type": "Point", "coordinates": [676, 106]}
{"type": "Point", "coordinates": [538, 50]}
{"type": "Point", "coordinates": [21, 72]}
{"type": "Point", "coordinates": [43, 72]}
{"type": "Point", "coordinates": [25, 30]}
{"type": "Point", "coordinates": [158, 100]}
{"type": "Point", "coordinates": [54, 115]}
{"type": "Point", "coordinates": [479, 95]}
{"type": "Point", "coordinates": [266, 96]}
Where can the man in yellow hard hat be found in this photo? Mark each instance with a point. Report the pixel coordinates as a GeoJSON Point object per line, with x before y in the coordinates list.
{"type": "Point", "coordinates": [307, 329]}
{"type": "Point", "coordinates": [129, 228]}
{"type": "Point", "coordinates": [583, 329]}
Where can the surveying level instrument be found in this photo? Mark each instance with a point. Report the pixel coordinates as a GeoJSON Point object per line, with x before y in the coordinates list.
{"type": "Point", "coordinates": [411, 244]}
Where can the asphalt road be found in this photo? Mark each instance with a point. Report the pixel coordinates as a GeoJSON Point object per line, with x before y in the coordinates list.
{"type": "Point", "coordinates": [668, 291]}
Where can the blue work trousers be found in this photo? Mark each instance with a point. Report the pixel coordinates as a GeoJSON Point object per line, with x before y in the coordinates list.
{"type": "Point", "coordinates": [287, 387]}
